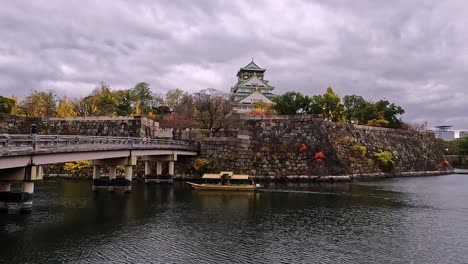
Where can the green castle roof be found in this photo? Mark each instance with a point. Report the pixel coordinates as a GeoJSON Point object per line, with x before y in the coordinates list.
{"type": "Point", "coordinates": [252, 66]}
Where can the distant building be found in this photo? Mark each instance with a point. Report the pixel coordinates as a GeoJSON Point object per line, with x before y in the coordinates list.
{"type": "Point", "coordinates": [463, 134]}
{"type": "Point", "coordinates": [251, 87]}
{"type": "Point", "coordinates": [444, 132]}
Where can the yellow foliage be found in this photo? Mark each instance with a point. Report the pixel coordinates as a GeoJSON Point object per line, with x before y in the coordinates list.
{"type": "Point", "coordinates": [201, 164]}
{"type": "Point", "coordinates": [77, 167]}
{"type": "Point", "coordinates": [138, 109]}
{"type": "Point", "coordinates": [66, 108]}
{"type": "Point", "coordinates": [381, 122]}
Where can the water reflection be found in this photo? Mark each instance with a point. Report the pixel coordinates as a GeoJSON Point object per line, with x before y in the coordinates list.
{"type": "Point", "coordinates": [386, 221]}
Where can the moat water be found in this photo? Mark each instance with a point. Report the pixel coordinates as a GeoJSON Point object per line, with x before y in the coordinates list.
{"type": "Point", "coordinates": [401, 220]}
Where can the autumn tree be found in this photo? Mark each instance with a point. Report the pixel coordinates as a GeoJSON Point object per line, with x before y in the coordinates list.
{"type": "Point", "coordinates": [78, 168]}
{"type": "Point", "coordinates": [66, 108]}
{"type": "Point", "coordinates": [262, 108]}
{"type": "Point", "coordinates": [102, 101]}
{"type": "Point", "coordinates": [212, 110]}
{"type": "Point", "coordinates": [39, 104]}
{"type": "Point", "coordinates": [333, 110]}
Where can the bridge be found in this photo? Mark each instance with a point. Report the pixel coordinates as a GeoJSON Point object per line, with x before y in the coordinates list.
{"type": "Point", "coordinates": [22, 158]}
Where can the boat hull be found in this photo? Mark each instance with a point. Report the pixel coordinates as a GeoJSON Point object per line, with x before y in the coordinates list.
{"type": "Point", "coordinates": [218, 187]}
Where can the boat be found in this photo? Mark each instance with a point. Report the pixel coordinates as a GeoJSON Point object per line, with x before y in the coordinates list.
{"type": "Point", "coordinates": [226, 181]}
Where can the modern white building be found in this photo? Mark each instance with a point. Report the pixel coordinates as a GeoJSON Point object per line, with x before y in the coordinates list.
{"type": "Point", "coordinates": [463, 134]}
{"type": "Point", "coordinates": [444, 133]}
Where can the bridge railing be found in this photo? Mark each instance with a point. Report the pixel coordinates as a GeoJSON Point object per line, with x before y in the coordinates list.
{"type": "Point", "coordinates": [18, 142]}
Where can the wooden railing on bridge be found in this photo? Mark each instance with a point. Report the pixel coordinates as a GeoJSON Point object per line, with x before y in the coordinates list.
{"type": "Point", "coordinates": [10, 143]}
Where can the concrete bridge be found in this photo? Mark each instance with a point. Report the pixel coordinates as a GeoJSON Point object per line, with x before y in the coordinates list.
{"type": "Point", "coordinates": [22, 158]}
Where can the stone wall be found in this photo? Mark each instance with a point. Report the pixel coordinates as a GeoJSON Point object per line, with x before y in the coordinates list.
{"type": "Point", "coordinates": [286, 147]}
{"type": "Point", "coordinates": [10, 124]}
{"type": "Point", "coordinates": [135, 126]}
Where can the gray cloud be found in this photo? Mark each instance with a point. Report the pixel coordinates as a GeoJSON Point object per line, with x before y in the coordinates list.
{"type": "Point", "coordinates": [413, 53]}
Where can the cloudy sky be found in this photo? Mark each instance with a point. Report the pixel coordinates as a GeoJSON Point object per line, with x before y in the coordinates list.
{"type": "Point", "coordinates": [411, 52]}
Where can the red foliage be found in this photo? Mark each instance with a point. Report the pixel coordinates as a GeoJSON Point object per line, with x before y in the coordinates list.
{"type": "Point", "coordinates": [303, 147]}
{"type": "Point", "coordinates": [319, 156]}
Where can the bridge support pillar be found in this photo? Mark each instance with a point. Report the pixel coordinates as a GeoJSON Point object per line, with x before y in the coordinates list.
{"type": "Point", "coordinates": [112, 176]}
{"type": "Point", "coordinates": [171, 168]}
{"type": "Point", "coordinates": [158, 168]}
{"type": "Point", "coordinates": [147, 168]}
{"type": "Point", "coordinates": [28, 190]}
{"type": "Point", "coordinates": [5, 188]}
{"type": "Point", "coordinates": [128, 178]}
{"type": "Point", "coordinates": [96, 177]}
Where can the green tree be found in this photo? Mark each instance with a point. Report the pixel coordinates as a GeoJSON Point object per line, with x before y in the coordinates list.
{"type": "Point", "coordinates": [140, 97]}
{"type": "Point", "coordinates": [176, 98]}
{"type": "Point", "coordinates": [390, 112]}
{"type": "Point", "coordinates": [314, 105]}
{"type": "Point", "coordinates": [462, 146]}
{"type": "Point", "coordinates": [123, 103]}
{"type": "Point", "coordinates": [6, 105]}
{"type": "Point", "coordinates": [290, 103]}
{"type": "Point", "coordinates": [357, 110]}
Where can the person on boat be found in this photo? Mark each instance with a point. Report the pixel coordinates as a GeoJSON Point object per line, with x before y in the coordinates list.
{"type": "Point", "coordinates": [223, 179]}
{"type": "Point", "coordinates": [252, 181]}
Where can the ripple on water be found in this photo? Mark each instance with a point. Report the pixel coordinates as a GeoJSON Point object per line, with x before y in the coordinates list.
{"type": "Point", "coordinates": [392, 221]}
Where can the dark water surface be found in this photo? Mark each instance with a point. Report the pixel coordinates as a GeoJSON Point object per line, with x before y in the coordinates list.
{"type": "Point", "coordinates": [403, 220]}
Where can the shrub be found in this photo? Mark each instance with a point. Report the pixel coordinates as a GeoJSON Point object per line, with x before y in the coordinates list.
{"type": "Point", "coordinates": [385, 161]}
{"type": "Point", "coordinates": [78, 167]}
{"type": "Point", "coordinates": [359, 150]}
{"type": "Point", "coordinates": [200, 165]}
{"type": "Point", "coordinates": [204, 132]}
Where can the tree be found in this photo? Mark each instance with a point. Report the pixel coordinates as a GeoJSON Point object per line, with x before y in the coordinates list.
{"type": "Point", "coordinates": [462, 146]}
{"type": "Point", "coordinates": [332, 107]}
{"type": "Point", "coordinates": [6, 105]}
{"type": "Point", "coordinates": [314, 105]}
{"type": "Point", "coordinates": [290, 103]}
{"type": "Point", "coordinates": [78, 168]}
{"type": "Point", "coordinates": [39, 104]}
{"type": "Point", "coordinates": [212, 110]}
{"type": "Point", "coordinates": [380, 114]}
{"type": "Point", "coordinates": [175, 98]}
{"type": "Point", "coordinates": [66, 108]}
{"type": "Point", "coordinates": [102, 101]}
{"type": "Point", "coordinates": [389, 111]}
{"type": "Point", "coordinates": [357, 109]}
{"type": "Point", "coordinates": [261, 108]}
{"type": "Point", "coordinates": [140, 97]}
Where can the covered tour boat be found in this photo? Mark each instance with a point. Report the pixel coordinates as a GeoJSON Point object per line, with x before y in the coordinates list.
{"type": "Point", "coordinates": [226, 181]}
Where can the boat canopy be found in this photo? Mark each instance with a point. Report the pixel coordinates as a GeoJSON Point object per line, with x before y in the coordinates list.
{"type": "Point", "coordinates": [239, 177]}
{"type": "Point", "coordinates": [211, 176]}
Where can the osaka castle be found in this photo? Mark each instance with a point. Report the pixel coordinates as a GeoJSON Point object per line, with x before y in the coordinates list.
{"type": "Point", "coordinates": [251, 87]}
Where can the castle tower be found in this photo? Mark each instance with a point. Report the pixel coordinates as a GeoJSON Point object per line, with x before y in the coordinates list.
{"type": "Point", "coordinates": [251, 87]}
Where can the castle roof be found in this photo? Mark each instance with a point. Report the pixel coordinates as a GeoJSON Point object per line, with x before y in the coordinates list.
{"type": "Point", "coordinates": [252, 66]}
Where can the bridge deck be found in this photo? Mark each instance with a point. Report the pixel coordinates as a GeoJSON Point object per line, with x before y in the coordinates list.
{"type": "Point", "coordinates": [16, 149]}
